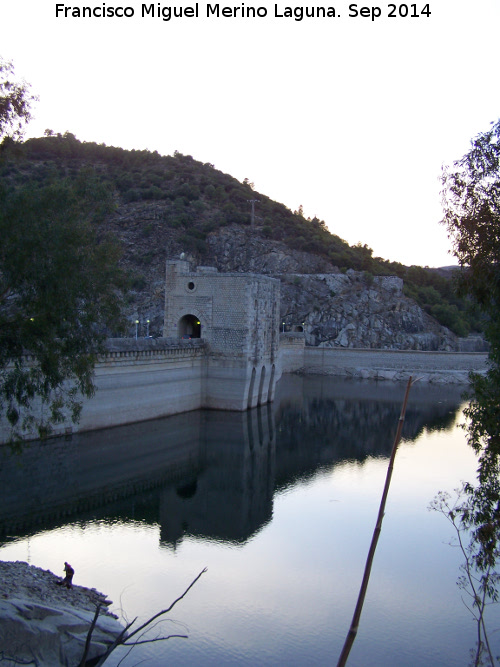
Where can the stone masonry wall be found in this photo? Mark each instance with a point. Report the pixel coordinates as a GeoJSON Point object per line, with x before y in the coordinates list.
{"type": "Point", "coordinates": [238, 315]}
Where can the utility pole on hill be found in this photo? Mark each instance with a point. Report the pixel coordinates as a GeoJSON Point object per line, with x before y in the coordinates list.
{"type": "Point", "coordinates": [252, 219]}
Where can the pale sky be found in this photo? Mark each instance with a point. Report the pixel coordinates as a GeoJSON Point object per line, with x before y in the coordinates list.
{"type": "Point", "coordinates": [348, 116]}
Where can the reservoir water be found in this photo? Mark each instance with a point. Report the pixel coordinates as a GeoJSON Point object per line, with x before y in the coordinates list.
{"type": "Point", "coordinates": [279, 504]}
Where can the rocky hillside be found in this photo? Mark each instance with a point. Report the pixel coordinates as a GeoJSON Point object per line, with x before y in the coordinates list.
{"type": "Point", "coordinates": [351, 310]}
{"type": "Point", "coordinates": [334, 308]}
{"type": "Point", "coordinates": [165, 206]}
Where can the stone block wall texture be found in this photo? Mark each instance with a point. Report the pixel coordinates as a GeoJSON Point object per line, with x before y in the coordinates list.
{"type": "Point", "coordinates": [239, 312]}
{"type": "Point", "coordinates": [292, 350]}
{"type": "Point", "coordinates": [239, 320]}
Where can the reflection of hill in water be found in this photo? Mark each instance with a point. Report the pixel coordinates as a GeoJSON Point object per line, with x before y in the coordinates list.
{"type": "Point", "coordinates": [207, 473]}
{"type": "Point", "coordinates": [321, 422]}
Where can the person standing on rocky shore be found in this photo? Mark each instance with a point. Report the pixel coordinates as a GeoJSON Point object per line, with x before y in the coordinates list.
{"type": "Point", "coordinates": [68, 579]}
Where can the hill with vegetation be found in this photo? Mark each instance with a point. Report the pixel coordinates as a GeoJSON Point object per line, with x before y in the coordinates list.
{"type": "Point", "coordinates": [165, 205]}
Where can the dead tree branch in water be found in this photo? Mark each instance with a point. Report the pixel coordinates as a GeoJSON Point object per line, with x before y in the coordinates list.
{"type": "Point", "coordinates": [89, 636]}
{"type": "Point", "coordinates": [124, 638]}
{"type": "Point", "coordinates": [351, 635]}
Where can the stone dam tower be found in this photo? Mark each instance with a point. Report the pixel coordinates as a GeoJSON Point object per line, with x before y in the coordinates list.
{"type": "Point", "coordinates": [237, 315]}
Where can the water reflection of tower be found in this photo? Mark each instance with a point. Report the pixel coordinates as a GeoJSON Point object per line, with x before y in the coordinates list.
{"type": "Point", "coordinates": [231, 497]}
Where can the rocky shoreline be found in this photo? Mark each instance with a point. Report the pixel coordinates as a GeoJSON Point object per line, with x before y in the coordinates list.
{"type": "Point", "coordinates": [438, 377]}
{"type": "Point", "coordinates": [46, 623]}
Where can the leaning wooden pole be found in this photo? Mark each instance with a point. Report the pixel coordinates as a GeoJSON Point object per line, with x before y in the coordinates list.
{"type": "Point", "coordinates": [351, 635]}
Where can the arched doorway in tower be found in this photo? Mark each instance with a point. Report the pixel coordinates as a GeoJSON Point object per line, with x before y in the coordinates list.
{"type": "Point", "coordinates": [189, 326]}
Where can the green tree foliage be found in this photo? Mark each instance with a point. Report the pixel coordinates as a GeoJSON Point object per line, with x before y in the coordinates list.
{"type": "Point", "coordinates": [15, 102]}
{"type": "Point", "coordinates": [58, 299]}
{"type": "Point", "coordinates": [471, 197]}
{"type": "Point", "coordinates": [478, 580]}
{"type": "Point", "coordinates": [58, 279]}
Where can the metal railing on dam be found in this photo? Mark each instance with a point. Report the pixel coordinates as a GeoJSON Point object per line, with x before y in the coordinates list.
{"type": "Point", "coordinates": [146, 348]}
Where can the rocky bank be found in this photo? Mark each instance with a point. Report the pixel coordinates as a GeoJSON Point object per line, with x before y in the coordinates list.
{"type": "Point", "coordinates": [44, 624]}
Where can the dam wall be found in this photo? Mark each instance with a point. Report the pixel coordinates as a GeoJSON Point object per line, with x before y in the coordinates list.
{"type": "Point", "coordinates": [138, 380]}
{"type": "Point", "coordinates": [397, 365]}
{"type": "Point", "coordinates": [222, 349]}
{"type": "Point", "coordinates": [144, 383]}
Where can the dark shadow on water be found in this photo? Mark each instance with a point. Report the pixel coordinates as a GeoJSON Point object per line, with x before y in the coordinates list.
{"type": "Point", "coordinates": [208, 473]}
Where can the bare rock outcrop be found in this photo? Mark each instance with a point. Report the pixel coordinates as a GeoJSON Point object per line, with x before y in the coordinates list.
{"type": "Point", "coordinates": [45, 624]}
{"type": "Point", "coordinates": [239, 249]}
{"type": "Point", "coordinates": [359, 310]}
{"type": "Point", "coordinates": [335, 309]}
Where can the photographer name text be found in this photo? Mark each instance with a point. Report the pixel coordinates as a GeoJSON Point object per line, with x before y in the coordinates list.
{"type": "Point", "coordinates": [243, 11]}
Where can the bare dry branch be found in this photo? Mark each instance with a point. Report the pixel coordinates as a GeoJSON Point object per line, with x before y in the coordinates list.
{"type": "Point", "coordinates": [124, 638]}
{"type": "Point", "coordinates": [165, 611]}
{"type": "Point", "coordinates": [89, 636]}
